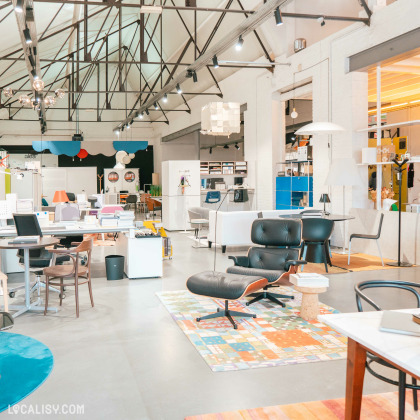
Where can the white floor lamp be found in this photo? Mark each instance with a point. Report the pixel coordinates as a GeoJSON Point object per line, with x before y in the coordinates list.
{"type": "Point", "coordinates": [343, 172]}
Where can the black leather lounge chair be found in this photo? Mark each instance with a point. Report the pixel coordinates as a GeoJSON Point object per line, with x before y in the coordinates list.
{"type": "Point", "coordinates": [276, 260]}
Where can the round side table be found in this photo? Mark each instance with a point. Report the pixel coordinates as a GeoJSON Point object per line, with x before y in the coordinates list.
{"type": "Point", "coordinates": [309, 310]}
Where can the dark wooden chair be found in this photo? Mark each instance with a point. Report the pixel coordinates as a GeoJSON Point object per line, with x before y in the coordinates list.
{"type": "Point", "coordinates": [80, 274]}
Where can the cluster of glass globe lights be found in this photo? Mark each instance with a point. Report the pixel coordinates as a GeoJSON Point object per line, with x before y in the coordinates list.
{"type": "Point", "coordinates": [38, 85]}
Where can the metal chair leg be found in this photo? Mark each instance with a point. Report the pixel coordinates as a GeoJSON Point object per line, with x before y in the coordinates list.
{"type": "Point", "coordinates": [304, 252]}
{"type": "Point", "coordinates": [348, 261]}
{"type": "Point", "coordinates": [380, 253]}
{"type": "Point", "coordinates": [401, 395]}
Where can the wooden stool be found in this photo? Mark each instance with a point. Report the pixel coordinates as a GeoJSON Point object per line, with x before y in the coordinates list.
{"type": "Point", "coordinates": [309, 310]}
{"type": "Point", "coordinates": [3, 281]}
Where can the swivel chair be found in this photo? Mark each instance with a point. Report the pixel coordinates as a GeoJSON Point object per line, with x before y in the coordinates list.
{"type": "Point", "coordinates": [275, 260]}
{"type": "Point", "coordinates": [28, 225]}
{"type": "Point", "coordinates": [316, 233]}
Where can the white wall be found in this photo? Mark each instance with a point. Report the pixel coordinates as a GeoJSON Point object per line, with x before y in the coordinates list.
{"type": "Point", "coordinates": [18, 160]}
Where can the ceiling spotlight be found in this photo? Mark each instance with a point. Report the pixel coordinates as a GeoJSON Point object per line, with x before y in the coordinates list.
{"type": "Point", "coordinates": [34, 75]}
{"type": "Point", "coordinates": [27, 36]}
{"type": "Point", "coordinates": [131, 122]}
{"type": "Point", "coordinates": [226, 146]}
{"type": "Point", "coordinates": [141, 115]}
{"type": "Point", "coordinates": [238, 46]}
{"type": "Point", "coordinates": [156, 106]}
{"type": "Point", "coordinates": [211, 150]}
{"type": "Point", "coordinates": [178, 88]}
{"type": "Point", "coordinates": [19, 6]}
{"type": "Point", "coordinates": [8, 92]}
{"type": "Point", "coordinates": [60, 93]}
{"type": "Point", "coordinates": [194, 77]}
{"type": "Point", "coordinates": [146, 111]}
{"type": "Point", "coordinates": [321, 20]}
{"type": "Point", "coordinates": [278, 17]}
{"type": "Point", "coordinates": [165, 98]}
{"type": "Point", "coordinates": [31, 60]}
{"type": "Point", "coordinates": [215, 62]}
{"type": "Point", "coordinates": [294, 114]}
{"type": "Point", "coordinates": [236, 146]}
{"type": "Point", "coordinates": [117, 131]}
{"type": "Point", "coordinates": [38, 85]}
{"type": "Point", "coordinates": [127, 126]}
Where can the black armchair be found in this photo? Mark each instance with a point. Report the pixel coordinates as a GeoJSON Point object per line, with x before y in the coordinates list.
{"type": "Point", "coordinates": [276, 260]}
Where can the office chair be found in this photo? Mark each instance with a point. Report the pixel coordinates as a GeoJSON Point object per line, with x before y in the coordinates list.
{"type": "Point", "coordinates": [316, 233]}
{"type": "Point", "coordinates": [270, 261]}
{"type": "Point", "coordinates": [68, 212]}
{"type": "Point", "coordinates": [373, 360]}
{"type": "Point", "coordinates": [213, 197]}
{"type": "Point", "coordinates": [132, 199]}
{"type": "Point", "coordinates": [28, 225]}
{"type": "Point", "coordinates": [92, 201]}
{"type": "Point", "coordinates": [71, 196]}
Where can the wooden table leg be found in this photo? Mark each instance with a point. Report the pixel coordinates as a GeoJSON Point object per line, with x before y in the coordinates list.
{"type": "Point", "coordinates": [356, 359]}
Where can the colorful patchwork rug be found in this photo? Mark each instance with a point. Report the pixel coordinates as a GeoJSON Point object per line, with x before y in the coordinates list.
{"type": "Point", "coordinates": [377, 406]}
{"type": "Point", "coordinates": [278, 336]}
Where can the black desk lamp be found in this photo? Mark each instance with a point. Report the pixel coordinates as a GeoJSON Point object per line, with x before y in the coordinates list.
{"type": "Point", "coordinates": [325, 199]}
{"type": "Point", "coordinates": [399, 169]}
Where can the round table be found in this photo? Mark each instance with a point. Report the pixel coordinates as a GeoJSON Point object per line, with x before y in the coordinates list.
{"type": "Point", "coordinates": [42, 243]}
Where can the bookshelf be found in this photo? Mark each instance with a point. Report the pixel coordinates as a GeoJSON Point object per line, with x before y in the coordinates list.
{"type": "Point", "coordinates": [223, 168]}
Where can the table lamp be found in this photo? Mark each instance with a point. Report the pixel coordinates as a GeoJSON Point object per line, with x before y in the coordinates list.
{"type": "Point", "coordinates": [60, 196]}
{"type": "Point", "coordinates": [325, 199]}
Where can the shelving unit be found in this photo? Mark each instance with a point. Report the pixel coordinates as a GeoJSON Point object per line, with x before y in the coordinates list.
{"type": "Point", "coordinates": [223, 168]}
{"type": "Point", "coordinates": [294, 189]}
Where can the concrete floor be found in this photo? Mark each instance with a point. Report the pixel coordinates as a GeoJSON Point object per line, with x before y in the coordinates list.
{"type": "Point", "coordinates": [126, 359]}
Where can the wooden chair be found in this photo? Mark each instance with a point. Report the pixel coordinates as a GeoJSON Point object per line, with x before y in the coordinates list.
{"type": "Point", "coordinates": [80, 273]}
{"type": "Point", "coordinates": [143, 204]}
{"type": "Point", "coordinates": [3, 281]}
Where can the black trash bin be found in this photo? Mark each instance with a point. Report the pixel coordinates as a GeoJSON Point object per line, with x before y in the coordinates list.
{"type": "Point", "coordinates": [114, 265]}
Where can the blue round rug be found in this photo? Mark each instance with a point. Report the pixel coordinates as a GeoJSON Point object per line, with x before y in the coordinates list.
{"type": "Point", "coordinates": [25, 363]}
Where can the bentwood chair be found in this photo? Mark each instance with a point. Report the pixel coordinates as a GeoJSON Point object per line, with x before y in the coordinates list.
{"type": "Point", "coordinates": [72, 274]}
{"type": "Point", "coordinates": [372, 237]}
{"type": "Point", "coordinates": [375, 361]}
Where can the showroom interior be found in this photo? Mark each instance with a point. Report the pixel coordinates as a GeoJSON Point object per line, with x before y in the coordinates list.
{"type": "Point", "coordinates": [210, 210]}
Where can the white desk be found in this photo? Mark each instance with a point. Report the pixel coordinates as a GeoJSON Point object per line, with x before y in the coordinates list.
{"type": "Point", "coordinates": [362, 330]}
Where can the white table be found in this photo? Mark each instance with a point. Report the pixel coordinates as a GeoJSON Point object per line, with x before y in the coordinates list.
{"type": "Point", "coordinates": [362, 330]}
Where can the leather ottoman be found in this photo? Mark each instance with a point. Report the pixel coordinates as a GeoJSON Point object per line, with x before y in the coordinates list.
{"type": "Point", "coordinates": [225, 286]}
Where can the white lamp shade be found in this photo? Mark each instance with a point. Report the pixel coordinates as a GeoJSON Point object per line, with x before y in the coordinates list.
{"type": "Point", "coordinates": [320, 128]}
{"type": "Point", "coordinates": [343, 171]}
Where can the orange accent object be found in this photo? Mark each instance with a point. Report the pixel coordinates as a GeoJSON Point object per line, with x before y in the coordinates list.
{"type": "Point", "coordinates": [60, 197]}
{"type": "Point", "coordinates": [82, 154]}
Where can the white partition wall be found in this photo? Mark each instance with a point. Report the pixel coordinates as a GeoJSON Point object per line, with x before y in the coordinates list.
{"type": "Point", "coordinates": [117, 180]}
{"type": "Point", "coordinates": [177, 199]}
{"type": "Point", "coordinates": [77, 180]}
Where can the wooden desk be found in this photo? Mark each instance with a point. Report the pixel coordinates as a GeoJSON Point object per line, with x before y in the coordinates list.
{"type": "Point", "coordinates": [362, 330]}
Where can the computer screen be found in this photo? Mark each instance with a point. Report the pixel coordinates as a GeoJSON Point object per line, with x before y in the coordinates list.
{"type": "Point", "coordinates": [27, 225]}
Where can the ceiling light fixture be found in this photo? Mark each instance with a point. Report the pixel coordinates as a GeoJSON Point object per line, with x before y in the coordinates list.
{"type": "Point", "coordinates": [27, 36]}
{"type": "Point", "coordinates": [226, 146]}
{"type": "Point", "coordinates": [215, 62]}
{"type": "Point", "coordinates": [147, 111]}
{"type": "Point", "coordinates": [165, 98]}
{"type": "Point", "coordinates": [24, 100]}
{"type": "Point", "coordinates": [8, 92]}
{"type": "Point", "coordinates": [239, 44]}
{"type": "Point", "coordinates": [321, 20]}
{"type": "Point", "coordinates": [60, 93]}
{"type": "Point", "coordinates": [194, 77]}
{"type": "Point", "coordinates": [156, 106]}
{"type": "Point", "coordinates": [236, 146]}
{"type": "Point", "coordinates": [19, 6]}
{"type": "Point", "coordinates": [278, 17]}
{"type": "Point", "coordinates": [294, 114]}
{"type": "Point", "coordinates": [141, 115]}
{"type": "Point", "coordinates": [178, 88]}
{"type": "Point", "coordinates": [211, 150]}
{"type": "Point", "coordinates": [117, 131]}
{"type": "Point", "coordinates": [34, 75]}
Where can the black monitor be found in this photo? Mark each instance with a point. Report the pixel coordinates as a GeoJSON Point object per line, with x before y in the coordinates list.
{"type": "Point", "coordinates": [27, 225]}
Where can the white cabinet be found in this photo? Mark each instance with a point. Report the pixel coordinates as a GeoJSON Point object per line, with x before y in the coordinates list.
{"type": "Point", "coordinates": [143, 256]}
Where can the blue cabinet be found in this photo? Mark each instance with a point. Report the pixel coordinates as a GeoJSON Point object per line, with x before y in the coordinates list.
{"type": "Point", "coordinates": [294, 192]}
